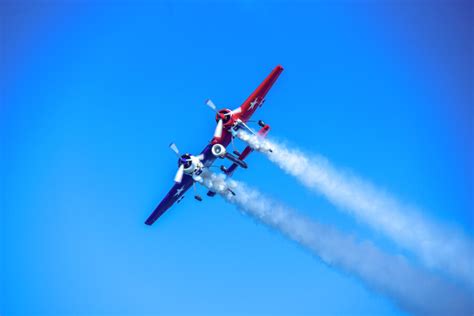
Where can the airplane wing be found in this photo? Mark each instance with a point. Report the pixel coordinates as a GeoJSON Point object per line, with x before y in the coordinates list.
{"type": "Point", "coordinates": [257, 98]}
{"type": "Point", "coordinates": [178, 189]}
{"type": "Point", "coordinates": [176, 192]}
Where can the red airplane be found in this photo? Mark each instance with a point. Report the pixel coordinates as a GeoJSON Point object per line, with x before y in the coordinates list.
{"type": "Point", "coordinates": [229, 122]}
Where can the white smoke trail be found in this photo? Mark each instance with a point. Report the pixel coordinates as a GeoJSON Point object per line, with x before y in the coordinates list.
{"type": "Point", "coordinates": [413, 289]}
{"type": "Point", "coordinates": [438, 247]}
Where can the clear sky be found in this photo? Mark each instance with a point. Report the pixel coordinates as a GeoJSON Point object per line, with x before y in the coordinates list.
{"type": "Point", "coordinates": [92, 93]}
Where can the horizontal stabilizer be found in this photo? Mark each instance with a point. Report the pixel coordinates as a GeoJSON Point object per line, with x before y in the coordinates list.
{"type": "Point", "coordinates": [236, 160]}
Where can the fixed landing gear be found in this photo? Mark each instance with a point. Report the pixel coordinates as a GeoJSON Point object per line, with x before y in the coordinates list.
{"type": "Point", "coordinates": [236, 152]}
{"type": "Point", "coordinates": [196, 196]}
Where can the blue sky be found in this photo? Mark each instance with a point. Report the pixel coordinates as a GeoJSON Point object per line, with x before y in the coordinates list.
{"type": "Point", "coordinates": [92, 93]}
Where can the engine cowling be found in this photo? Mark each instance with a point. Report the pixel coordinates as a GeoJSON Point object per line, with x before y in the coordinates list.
{"type": "Point", "coordinates": [190, 163]}
{"type": "Point", "coordinates": [226, 116]}
{"type": "Point", "coordinates": [218, 150]}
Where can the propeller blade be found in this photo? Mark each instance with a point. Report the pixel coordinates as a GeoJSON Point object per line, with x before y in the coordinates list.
{"type": "Point", "coordinates": [236, 111]}
{"type": "Point", "coordinates": [179, 174]}
{"type": "Point", "coordinates": [211, 105]}
{"type": "Point", "coordinates": [218, 131]}
{"type": "Point", "coordinates": [174, 148]}
{"type": "Point", "coordinates": [200, 157]}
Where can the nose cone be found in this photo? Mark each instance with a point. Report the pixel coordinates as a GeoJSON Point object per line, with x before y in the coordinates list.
{"type": "Point", "coordinates": [184, 160]}
{"type": "Point", "coordinates": [221, 115]}
{"type": "Point", "coordinates": [225, 115]}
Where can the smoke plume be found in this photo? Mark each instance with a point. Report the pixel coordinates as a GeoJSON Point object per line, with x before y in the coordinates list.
{"type": "Point", "coordinates": [412, 288]}
{"type": "Point", "coordinates": [438, 247]}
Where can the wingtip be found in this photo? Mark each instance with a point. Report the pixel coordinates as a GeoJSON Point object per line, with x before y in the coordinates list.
{"type": "Point", "coordinates": [150, 220]}
{"type": "Point", "coordinates": [149, 223]}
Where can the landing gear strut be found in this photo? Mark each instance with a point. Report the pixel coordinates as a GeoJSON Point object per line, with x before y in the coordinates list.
{"type": "Point", "coordinates": [236, 152]}
{"type": "Point", "coordinates": [196, 196]}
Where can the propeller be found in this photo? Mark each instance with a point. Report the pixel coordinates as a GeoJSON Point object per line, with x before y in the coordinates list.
{"type": "Point", "coordinates": [220, 123]}
{"type": "Point", "coordinates": [179, 174]}
{"type": "Point", "coordinates": [174, 148]}
{"type": "Point", "coordinates": [236, 111]}
{"type": "Point", "coordinates": [214, 108]}
{"type": "Point", "coordinates": [211, 105]}
{"type": "Point", "coordinates": [183, 162]}
{"type": "Point", "coordinates": [218, 131]}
